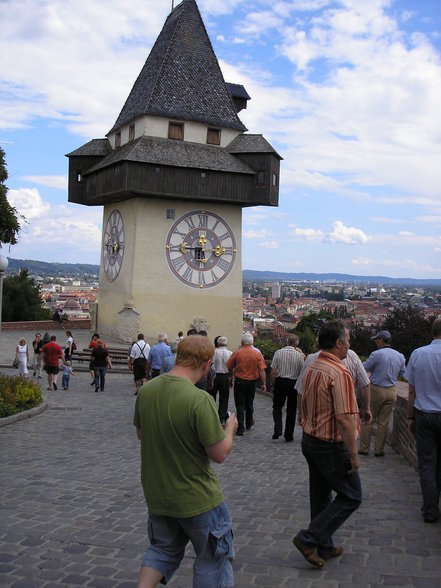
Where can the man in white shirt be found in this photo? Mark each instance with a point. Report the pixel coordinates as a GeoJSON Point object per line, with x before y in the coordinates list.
{"type": "Point", "coordinates": [138, 361]}
{"type": "Point", "coordinates": [222, 378]}
{"type": "Point", "coordinates": [285, 369]}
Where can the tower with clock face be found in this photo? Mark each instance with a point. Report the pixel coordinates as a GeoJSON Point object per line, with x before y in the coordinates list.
{"type": "Point", "coordinates": [173, 175]}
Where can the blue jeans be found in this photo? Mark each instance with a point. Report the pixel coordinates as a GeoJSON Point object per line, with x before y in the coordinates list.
{"type": "Point", "coordinates": [212, 539]}
{"type": "Point", "coordinates": [100, 377]}
{"type": "Point", "coordinates": [428, 441]}
{"type": "Point", "coordinates": [328, 464]}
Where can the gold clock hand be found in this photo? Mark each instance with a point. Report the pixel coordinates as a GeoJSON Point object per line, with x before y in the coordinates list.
{"type": "Point", "coordinates": [218, 251]}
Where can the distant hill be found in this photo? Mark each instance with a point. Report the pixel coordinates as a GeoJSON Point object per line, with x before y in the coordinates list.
{"type": "Point", "coordinates": [267, 276]}
{"type": "Point", "coordinates": [43, 268]}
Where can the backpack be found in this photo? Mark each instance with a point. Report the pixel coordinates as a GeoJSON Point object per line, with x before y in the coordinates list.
{"type": "Point", "coordinates": [74, 346]}
{"type": "Point", "coordinates": [167, 364]}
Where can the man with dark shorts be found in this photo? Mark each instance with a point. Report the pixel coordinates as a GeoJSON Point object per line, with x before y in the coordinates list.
{"type": "Point", "coordinates": [138, 361]}
{"type": "Point", "coordinates": [52, 353]}
{"type": "Point", "coordinates": [180, 433]}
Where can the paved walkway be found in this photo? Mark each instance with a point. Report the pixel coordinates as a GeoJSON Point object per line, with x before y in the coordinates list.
{"type": "Point", "coordinates": [73, 514]}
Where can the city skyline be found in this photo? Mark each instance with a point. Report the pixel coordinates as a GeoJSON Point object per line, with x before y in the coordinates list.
{"type": "Point", "coordinates": [347, 92]}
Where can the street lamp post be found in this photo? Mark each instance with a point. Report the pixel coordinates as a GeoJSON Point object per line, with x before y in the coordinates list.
{"type": "Point", "coordinates": [3, 268]}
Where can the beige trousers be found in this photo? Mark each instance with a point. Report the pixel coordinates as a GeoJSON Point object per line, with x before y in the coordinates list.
{"type": "Point", "coordinates": [382, 403]}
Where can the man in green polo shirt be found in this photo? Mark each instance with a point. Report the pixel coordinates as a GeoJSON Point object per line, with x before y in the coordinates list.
{"type": "Point", "coordinates": [180, 433]}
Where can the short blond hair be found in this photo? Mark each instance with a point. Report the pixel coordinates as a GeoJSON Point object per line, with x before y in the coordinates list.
{"type": "Point", "coordinates": [194, 351]}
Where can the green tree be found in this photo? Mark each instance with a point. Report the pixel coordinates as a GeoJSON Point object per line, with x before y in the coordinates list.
{"type": "Point", "coordinates": [307, 339]}
{"type": "Point", "coordinates": [267, 347]}
{"type": "Point", "coordinates": [409, 329]}
{"type": "Point", "coordinates": [361, 340]}
{"type": "Point", "coordinates": [308, 327]}
{"type": "Point", "coordinates": [22, 299]}
{"type": "Point", "coordinates": [9, 223]}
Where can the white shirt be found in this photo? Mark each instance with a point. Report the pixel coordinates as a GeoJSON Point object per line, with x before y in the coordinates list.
{"type": "Point", "coordinates": [352, 362]}
{"type": "Point", "coordinates": [221, 356]}
{"type": "Point", "coordinates": [140, 349]}
{"type": "Point", "coordinates": [288, 362]}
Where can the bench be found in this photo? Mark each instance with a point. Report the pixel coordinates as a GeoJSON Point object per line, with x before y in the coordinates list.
{"type": "Point", "coordinates": [117, 359]}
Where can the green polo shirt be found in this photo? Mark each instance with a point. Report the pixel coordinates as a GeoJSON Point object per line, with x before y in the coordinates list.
{"type": "Point", "coordinates": [177, 422]}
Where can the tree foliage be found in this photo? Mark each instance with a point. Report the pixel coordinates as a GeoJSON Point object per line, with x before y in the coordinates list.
{"type": "Point", "coordinates": [409, 329]}
{"type": "Point", "coordinates": [308, 327]}
{"type": "Point", "coordinates": [22, 299]}
{"type": "Point", "coordinates": [267, 347]}
{"type": "Point", "coordinates": [9, 223]}
{"type": "Point", "coordinates": [361, 340]}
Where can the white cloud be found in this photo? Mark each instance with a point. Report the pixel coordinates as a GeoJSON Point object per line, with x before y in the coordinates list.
{"type": "Point", "coordinates": [58, 182]}
{"type": "Point", "coordinates": [262, 234]}
{"type": "Point", "coordinates": [386, 220]}
{"type": "Point", "coordinates": [29, 203]}
{"type": "Point", "coordinates": [365, 261]}
{"type": "Point", "coordinates": [50, 232]}
{"type": "Point", "coordinates": [339, 233]}
{"type": "Point", "coordinates": [348, 235]}
{"type": "Point", "coordinates": [309, 234]}
{"type": "Point", "coordinates": [269, 245]}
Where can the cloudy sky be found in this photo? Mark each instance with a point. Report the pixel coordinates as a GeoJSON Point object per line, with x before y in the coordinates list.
{"type": "Point", "coordinates": [347, 91]}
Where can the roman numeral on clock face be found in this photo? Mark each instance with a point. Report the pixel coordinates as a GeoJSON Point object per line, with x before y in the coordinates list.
{"type": "Point", "coordinates": [200, 249]}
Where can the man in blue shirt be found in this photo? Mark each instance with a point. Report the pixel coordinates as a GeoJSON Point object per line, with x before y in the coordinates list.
{"type": "Point", "coordinates": [385, 365]}
{"type": "Point", "coordinates": [424, 413]}
{"type": "Point", "coordinates": [158, 354]}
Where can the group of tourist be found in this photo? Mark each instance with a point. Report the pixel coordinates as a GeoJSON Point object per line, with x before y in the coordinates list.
{"type": "Point", "coordinates": [181, 430]}
{"type": "Point", "coordinates": [48, 354]}
{"type": "Point", "coordinates": [336, 396]}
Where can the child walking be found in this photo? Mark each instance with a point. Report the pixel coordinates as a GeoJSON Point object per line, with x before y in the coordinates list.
{"type": "Point", "coordinates": [67, 371]}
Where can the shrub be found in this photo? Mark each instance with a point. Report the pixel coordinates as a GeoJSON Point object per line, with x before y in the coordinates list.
{"type": "Point", "coordinates": [17, 394]}
{"type": "Point", "coordinates": [267, 348]}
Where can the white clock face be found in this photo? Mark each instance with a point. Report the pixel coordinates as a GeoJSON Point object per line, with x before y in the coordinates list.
{"type": "Point", "coordinates": [113, 245]}
{"type": "Point", "coordinates": [200, 249]}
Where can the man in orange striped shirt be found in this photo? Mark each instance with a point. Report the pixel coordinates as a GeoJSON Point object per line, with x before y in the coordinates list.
{"type": "Point", "coordinates": [330, 429]}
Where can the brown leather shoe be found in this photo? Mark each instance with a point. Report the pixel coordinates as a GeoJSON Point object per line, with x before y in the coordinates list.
{"type": "Point", "coordinates": [309, 553]}
{"type": "Point", "coordinates": [336, 552]}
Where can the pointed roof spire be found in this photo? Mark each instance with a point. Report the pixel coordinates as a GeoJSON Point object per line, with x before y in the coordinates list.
{"type": "Point", "coordinates": [181, 78]}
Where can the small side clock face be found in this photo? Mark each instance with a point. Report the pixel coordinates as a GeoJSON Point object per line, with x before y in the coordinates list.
{"type": "Point", "coordinates": [113, 245]}
{"type": "Point", "coordinates": [200, 249]}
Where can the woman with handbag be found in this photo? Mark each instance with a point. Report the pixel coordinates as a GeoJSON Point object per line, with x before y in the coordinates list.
{"type": "Point", "coordinates": [22, 356]}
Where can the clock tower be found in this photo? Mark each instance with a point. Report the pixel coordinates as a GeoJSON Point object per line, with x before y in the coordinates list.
{"type": "Point", "coordinates": [173, 175]}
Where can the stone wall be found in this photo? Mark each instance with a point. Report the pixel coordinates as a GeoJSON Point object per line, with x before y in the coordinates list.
{"type": "Point", "coordinates": [399, 436]}
{"type": "Point", "coordinates": [42, 326]}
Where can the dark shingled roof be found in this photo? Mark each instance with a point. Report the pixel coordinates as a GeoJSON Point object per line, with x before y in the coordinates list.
{"type": "Point", "coordinates": [251, 144]}
{"type": "Point", "coordinates": [181, 78]}
{"type": "Point", "coordinates": [237, 91]}
{"type": "Point", "coordinates": [97, 147]}
{"type": "Point", "coordinates": [158, 151]}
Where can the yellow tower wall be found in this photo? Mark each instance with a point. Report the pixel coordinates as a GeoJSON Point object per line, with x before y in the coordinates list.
{"type": "Point", "coordinates": [147, 297]}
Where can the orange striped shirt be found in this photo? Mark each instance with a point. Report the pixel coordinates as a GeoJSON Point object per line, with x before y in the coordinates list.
{"type": "Point", "coordinates": [328, 390]}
